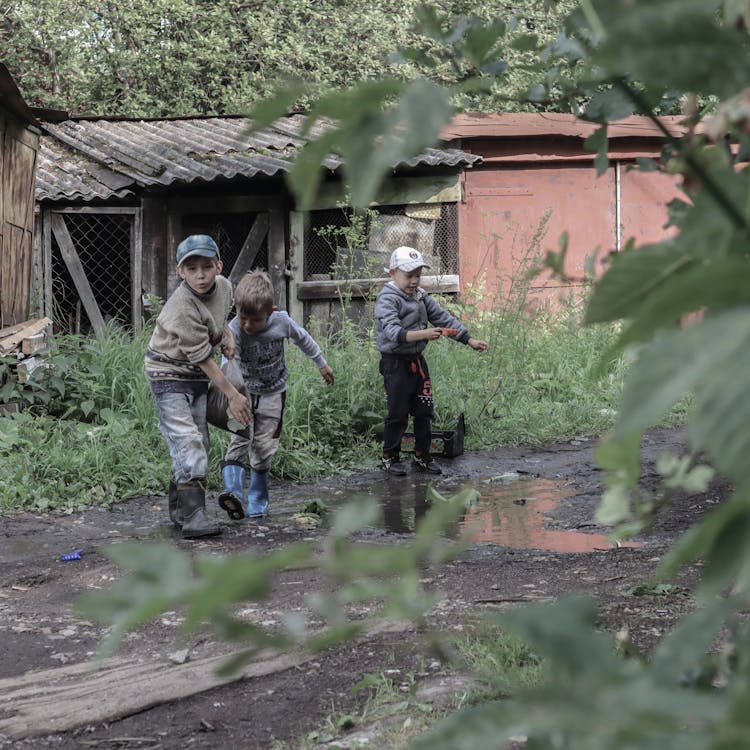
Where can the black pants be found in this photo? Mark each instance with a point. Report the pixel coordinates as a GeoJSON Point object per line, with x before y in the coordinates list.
{"type": "Point", "coordinates": [408, 391]}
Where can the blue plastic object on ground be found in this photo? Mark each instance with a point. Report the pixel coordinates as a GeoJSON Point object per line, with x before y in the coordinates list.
{"type": "Point", "coordinates": [74, 555]}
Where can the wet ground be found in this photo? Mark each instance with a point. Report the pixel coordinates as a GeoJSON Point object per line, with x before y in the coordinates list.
{"type": "Point", "coordinates": [534, 538]}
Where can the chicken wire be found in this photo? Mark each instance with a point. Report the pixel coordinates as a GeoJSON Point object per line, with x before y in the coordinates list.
{"type": "Point", "coordinates": [103, 243]}
{"type": "Point", "coordinates": [341, 246]}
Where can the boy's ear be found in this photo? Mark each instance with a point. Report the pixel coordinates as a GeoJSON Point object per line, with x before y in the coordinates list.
{"type": "Point", "coordinates": [219, 265]}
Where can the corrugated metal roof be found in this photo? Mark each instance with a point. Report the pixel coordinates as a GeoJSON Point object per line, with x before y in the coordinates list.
{"type": "Point", "coordinates": [543, 125]}
{"type": "Point", "coordinates": [92, 159]}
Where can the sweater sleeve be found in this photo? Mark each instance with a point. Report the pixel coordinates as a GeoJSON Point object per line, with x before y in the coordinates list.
{"type": "Point", "coordinates": [301, 338]}
{"type": "Point", "coordinates": [439, 316]}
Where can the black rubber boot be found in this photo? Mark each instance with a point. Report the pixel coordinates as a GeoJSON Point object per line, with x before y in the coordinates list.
{"type": "Point", "coordinates": [195, 522]}
{"type": "Point", "coordinates": [175, 511]}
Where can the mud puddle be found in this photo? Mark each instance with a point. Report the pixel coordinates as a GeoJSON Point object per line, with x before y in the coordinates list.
{"type": "Point", "coordinates": [514, 510]}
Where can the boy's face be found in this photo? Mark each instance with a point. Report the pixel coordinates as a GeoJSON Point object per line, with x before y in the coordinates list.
{"type": "Point", "coordinates": [200, 273]}
{"type": "Point", "coordinates": [252, 324]}
{"type": "Point", "coordinates": [406, 281]}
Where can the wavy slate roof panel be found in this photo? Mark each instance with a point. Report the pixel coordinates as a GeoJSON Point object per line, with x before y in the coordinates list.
{"type": "Point", "coordinates": [111, 158]}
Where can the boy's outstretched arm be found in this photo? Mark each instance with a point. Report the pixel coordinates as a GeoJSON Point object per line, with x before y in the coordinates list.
{"type": "Point", "coordinates": [238, 404]}
{"type": "Point", "coordinates": [327, 374]}
{"type": "Point", "coordinates": [478, 345]}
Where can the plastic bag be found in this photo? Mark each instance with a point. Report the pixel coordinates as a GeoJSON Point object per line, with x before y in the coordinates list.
{"type": "Point", "coordinates": [217, 405]}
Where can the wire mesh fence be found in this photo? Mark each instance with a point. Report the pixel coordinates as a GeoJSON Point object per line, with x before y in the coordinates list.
{"type": "Point", "coordinates": [103, 244]}
{"type": "Point", "coordinates": [342, 245]}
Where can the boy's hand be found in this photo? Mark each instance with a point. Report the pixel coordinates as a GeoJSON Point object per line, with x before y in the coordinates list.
{"type": "Point", "coordinates": [477, 345]}
{"type": "Point", "coordinates": [327, 374]}
{"type": "Point", "coordinates": [228, 347]}
{"type": "Point", "coordinates": [430, 334]}
{"type": "Point", "coordinates": [240, 408]}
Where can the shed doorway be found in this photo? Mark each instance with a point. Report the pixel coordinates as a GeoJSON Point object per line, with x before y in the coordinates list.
{"type": "Point", "coordinates": [92, 268]}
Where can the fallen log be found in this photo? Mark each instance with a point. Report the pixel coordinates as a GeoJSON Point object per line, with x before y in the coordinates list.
{"type": "Point", "coordinates": [61, 699]}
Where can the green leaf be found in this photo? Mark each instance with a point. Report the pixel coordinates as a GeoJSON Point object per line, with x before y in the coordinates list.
{"type": "Point", "coordinates": [605, 106]}
{"type": "Point", "coordinates": [683, 649]}
{"type": "Point", "coordinates": [597, 141]}
{"type": "Point", "coordinates": [707, 285]}
{"type": "Point", "coordinates": [159, 578]}
{"type": "Point", "coordinates": [632, 277]}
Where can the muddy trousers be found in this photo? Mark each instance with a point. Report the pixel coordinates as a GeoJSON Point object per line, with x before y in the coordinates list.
{"type": "Point", "coordinates": [182, 421]}
{"type": "Point", "coordinates": [264, 433]}
{"type": "Point", "coordinates": [408, 392]}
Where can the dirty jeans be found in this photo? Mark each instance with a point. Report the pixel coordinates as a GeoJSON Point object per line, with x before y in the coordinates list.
{"type": "Point", "coordinates": [182, 421]}
{"type": "Point", "coordinates": [265, 433]}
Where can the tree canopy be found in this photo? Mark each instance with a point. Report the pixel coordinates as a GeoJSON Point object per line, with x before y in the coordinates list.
{"type": "Point", "coordinates": [161, 58]}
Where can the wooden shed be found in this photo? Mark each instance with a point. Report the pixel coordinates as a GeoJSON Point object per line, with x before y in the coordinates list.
{"type": "Point", "coordinates": [536, 180]}
{"type": "Point", "coordinates": [19, 145]}
{"type": "Point", "coordinates": [116, 195]}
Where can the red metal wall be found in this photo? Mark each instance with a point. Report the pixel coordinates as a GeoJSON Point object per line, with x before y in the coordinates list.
{"type": "Point", "coordinates": [536, 182]}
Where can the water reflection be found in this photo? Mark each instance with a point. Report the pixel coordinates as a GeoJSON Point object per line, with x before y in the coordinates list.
{"type": "Point", "coordinates": [403, 509]}
{"type": "Point", "coordinates": [515, 515]}
{"type": "Point", "coordinates": [512, 513]}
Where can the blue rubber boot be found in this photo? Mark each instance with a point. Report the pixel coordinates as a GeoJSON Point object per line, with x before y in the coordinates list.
{"type": "Point", "coordinates": [230, 498]}
{"type": "Point", "coordinates": [257, 494]}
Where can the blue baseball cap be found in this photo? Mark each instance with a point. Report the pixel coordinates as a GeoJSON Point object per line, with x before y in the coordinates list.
{"type": "Point", "coordinates": [197, 244]}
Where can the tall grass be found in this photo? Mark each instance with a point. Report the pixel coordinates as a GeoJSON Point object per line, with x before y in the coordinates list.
{"type": "Point", "coordinates": [89, 432]}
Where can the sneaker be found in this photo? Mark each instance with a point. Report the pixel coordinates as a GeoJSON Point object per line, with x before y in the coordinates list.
{"type": "Point", "coordinates": [393, 466]}
{"type": "Point", "coordinates": [426, 463]}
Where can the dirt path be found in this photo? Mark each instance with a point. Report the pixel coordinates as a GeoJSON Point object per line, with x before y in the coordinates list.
{"type": "Point", "coordinates": [47, 699]}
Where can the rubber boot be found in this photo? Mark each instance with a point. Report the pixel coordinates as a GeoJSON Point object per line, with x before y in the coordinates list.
{"type": "Point", "coordinates": [195, 523]}
{"type": "Point", "coordinates": [257, 494]}
{"type": "Point", "coordinates": [230, 498]}
{"type": "Point", "coordinates": [175, 511]}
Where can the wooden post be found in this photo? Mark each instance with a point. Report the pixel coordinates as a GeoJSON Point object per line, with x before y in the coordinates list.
{"type": "Point", "coordinates": [296, 263]}
{"type": "Point", "coordinates": [277, 257]}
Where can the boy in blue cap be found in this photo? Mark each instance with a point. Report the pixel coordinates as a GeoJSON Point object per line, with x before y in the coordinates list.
{"type": "Point", "coordinates": [179, 364]}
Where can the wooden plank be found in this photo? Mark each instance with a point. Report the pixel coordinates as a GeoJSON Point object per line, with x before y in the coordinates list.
{"type": "Point", "coordinates": [398, 191]}
{"type": "Point", "coordinates": [250, 248]}
{"type": "Point", "coordinates": [12, 336]}
{"type": "Point", "coordinates": [73, 262]}
{"type": "Point", "coordinates": [57, 700]}
{"type": "Point", "coordinates": [296, 263]}
{"type": "Point", "coordinates": [333, 289]}
{"type": "Point", "coordinates": [61, 699]}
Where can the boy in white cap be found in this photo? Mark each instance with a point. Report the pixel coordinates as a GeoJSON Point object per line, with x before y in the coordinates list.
{"type": "Point", "coordinates": [402, 313]}
{"type": "Point", "coordinates": [179, 364]}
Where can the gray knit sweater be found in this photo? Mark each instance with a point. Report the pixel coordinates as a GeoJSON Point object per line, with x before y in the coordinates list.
{"type": "Point", "coordinates": [187, 329]}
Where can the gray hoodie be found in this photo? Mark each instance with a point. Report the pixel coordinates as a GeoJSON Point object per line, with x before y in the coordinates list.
{"type": "Point", "coordinates": [397, 312]}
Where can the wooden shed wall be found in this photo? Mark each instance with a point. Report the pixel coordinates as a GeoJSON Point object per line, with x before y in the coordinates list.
{"type": "Point", "coordinates": [18, 152]}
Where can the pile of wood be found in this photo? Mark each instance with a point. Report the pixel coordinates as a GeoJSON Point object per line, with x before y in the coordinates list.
{"type": "Point", "coordinates": [23, 341]}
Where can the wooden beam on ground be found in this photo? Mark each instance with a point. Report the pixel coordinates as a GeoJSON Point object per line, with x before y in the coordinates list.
{"type": "Point", "coordinates": [73, 262]}
{"type": "Point", "coordinates": [59, 700]}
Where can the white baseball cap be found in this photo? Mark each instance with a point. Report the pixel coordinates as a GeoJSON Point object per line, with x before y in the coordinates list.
{"type": "Point", "coordinates": [407, 259]}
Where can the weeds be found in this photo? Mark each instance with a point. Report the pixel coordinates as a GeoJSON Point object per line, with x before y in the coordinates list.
{"type": "Point", "coordinates": [535, 385]}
